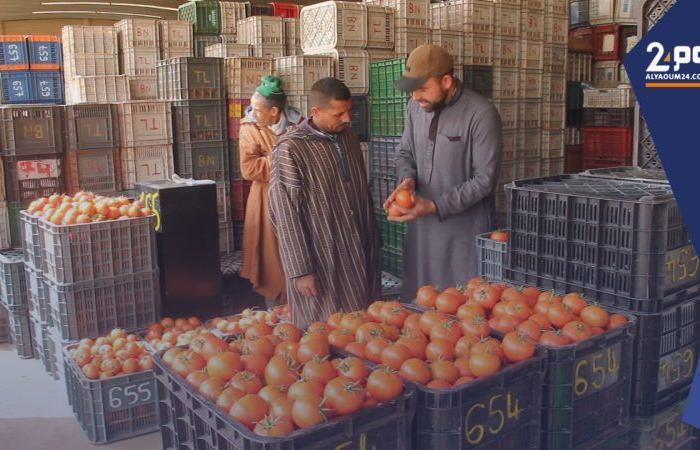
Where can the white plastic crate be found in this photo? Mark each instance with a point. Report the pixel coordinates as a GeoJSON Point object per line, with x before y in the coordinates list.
{"type": "Point", "coordinates": [554, 58]}
{"type": "Point", "coordinates": [510, 145]}
{"type": "Point", "coordinates": [145, 122]}
{"type": "Point", "coordinates": [292, 37]}
{"type": "Point", "coordinates": [5, 241]}
{"type": "Point", "coordinates": [554, 87]}
{"type": "Point", "coordinates": [470, 16]}
{"type": "Point", "coordinates": [606, 74]}
{"type": "Point", "coordinates": [228, 50]}
{"type": "Point", "coordinates": [380, 27]}
{"type": "Point", "coordinates": [90, 64]}
{"type": "Point", "coordinates": [407, 39]}
{"type": "Point", "coordinates": [556, 29]}
{"type": "Point", "coordinates": [231, 13]}
{"type": "Point", "coordinates": [83, 39]}
{"type": "Point", "coordinates": [529, 143]}
{"type": "Point", "coordinates": [143, 88]}
{"type": "Point", "coordinates": [530, 114]}
{"type": "Point", "coordinates": [552, 144]}
{"type": "Point", "coordinates": [176, 38]}
{"type": "Point", "coordinates": [620, 97]}
{"type": "Point", "coordinates": [553, 115]}
{"type": "Point", "coordinates": [572, 136]}
{"type": "Point", "coordinates": [531, 54]}
{"type": "Point", "coordinates": [380, 55]}
{"type": "Point", "coordinates": [506, 52]}
{"type": "Point", "coordinates": [533, 5]}
{"type": "Point", "coordinates": [579, 67]}
{"type": "Point", "coordinates": [601, 12]}
{"type": "Point", "coordinates": [139, 61]}
{"type": "Point", "coordinates": [551, 166]}
{"type": "Point", "coordinates": [300, 102]}
{"type": "Point", "coordinates": [528, 168]}
{"type": "Point", "coordinates": [532, 25]}
{"type": "Point", "coordinates": [409, 13]}
{"type": "Point", "coordinates": [332, 24]}
{"type": "Point", "coordinates": [299, 73]}
{"type": "Point", "coordinates": [100, 89]}
{"type": "Point", "coordinates": [507, 20]}
{"type": "Point", "coordinates": [507, 172]}
{"type": "Point", "coordinates": [556, 7]}
{"type": "Point", "coordinates": [506, 84]}
{"type": "Point", "coordinates": [137, 33]}
{"type": "Point", "coordinates": [261, 30]}
{"type": "Point", "coordinates": [268, 51]}
{"type": "Point", "coordinates": [146, 163]}
{"type": "Point", "coordinates": [352, 68]}
{"type": "Point", "coordinates": [478, 49]}
{"type": "Point", "coordinates": [531, 83]}
{"type": "Point", "coordinates": [243, 75]}
{"type": "Point", "coordinates": [508, 110]}
{"type": "Point", "coordinates": [452, 41]}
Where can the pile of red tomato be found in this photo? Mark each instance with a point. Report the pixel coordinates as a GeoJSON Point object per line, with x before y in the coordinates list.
{"type": "Point", "coordinates": [427, 348]}
{"type": "Point", "coordinates": [543, 317]}
{"type": "Point", "coordinates": [274, 379]}
{"type": "Point", "coordinates": [117, 353]}
{"type": "Point", "coordinates": [86, 207]}
{"type": "Point", "coordinates": [170, 332]}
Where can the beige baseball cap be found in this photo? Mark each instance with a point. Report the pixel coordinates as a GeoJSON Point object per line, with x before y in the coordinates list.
{"type": "Point", "coordinates": [425, 61]}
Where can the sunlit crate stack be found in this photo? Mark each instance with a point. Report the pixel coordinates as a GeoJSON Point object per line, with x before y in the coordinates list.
{"type": "Point", "coordinates": [30, 69]}
{"type": "Point", "coordinates": [195, 87]}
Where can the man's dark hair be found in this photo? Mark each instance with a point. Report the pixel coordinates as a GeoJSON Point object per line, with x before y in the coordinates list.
{"type": "Point", "coordinates": [276, 100]}
{"type": "Point", "coordinates": [327, 89]}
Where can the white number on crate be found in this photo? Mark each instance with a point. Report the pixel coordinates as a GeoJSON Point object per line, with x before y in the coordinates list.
{"type": "Point", "coordinates": [13, 51]}
{"type": "Point", "coordinates": [45, 88]}
{"type": "Point", "coordinates": [18, 88]}
{"type": "Point", "coordinates": [43, 53]}
{"type": "Point", "coordinates": [135, 394]}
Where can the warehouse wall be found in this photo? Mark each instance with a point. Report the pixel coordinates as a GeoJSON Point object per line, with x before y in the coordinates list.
{"type": "Point", "coordinates": [45, 26]}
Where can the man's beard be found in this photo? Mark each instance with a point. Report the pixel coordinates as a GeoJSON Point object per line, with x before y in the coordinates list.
{"type": "Point", "coordinates": [432, 106]}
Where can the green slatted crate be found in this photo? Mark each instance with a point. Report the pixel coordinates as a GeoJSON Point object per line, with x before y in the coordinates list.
{"type": "Point", "coordinates": [382, 75]}
{"type": "Point", "coordinates": [205, 15]}
{"type": "Point", "coordinates": [387, 116]}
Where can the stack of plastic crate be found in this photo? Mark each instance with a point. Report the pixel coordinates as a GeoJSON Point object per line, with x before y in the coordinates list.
{"type": "Point", "coordinates": [242, 76]}
{"type": "Point", "coordinates": [139, 52]}
{"type": "Point", "coordinates": [387, 113]}
{"type": "Point", "coordinates": [206, 19]}
{"type": "Point", "coordinates": [13, 298]}
{"type": "Point", "coordinates": [30, 70]}
{"type": "Point", "coordinates": [175, 37]}
{"type": "Point", "coordinates": [91, 65]}
{"type": "Point", "coordinates": [196, 88]}
{"type": "Point", "coordinates": [31, 138]}
{"type": "Point", "coordinates": [264, 33]}
{"type": "Point", "coordinates": [579, 70]}
{"type": "Point", "coordinates": [231, 13]}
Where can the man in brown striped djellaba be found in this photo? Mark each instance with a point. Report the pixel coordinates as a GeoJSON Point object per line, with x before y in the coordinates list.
{"type": "Point", "coordinates": [322, 212]}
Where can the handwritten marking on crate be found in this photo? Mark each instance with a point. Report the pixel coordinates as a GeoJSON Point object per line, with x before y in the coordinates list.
{"type": "Point", "coordinates": [121, 397]}
{"type": "Point", "coordinates": [676, 368]}
{"type": "Point", "coordinates": [13, 51]}
{"type": "Point", "coordinates": [493, 417]}
{"type": "Point", "coordinates": [37, 169]}
{"type": "Point", "coordinates": [598, 370]}
{"type": "Point", "coordinates": [682, 267]}
{"type": "Point", "coordinates": [92, 129]}
{"type": "Point", "coordinates": [668, 434]}
{"type": "Point", "coordinates": [151, 202]}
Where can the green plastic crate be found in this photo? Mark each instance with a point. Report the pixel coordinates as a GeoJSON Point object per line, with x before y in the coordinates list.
{"type": "Point", "coordinates": [392, 261]}
{"type": "Point", "coordinates": [205, 15]}
{"type": "Point", "coordinates": [13, 210]}
{"type": "Point", "coordinates": [393, 233]}
{"type": "Point", "coordinates": [574, 95]}
{"type": "Point", "coordinates": [387, 116]}
{"type": "Point", "coordinates": [382, 75]}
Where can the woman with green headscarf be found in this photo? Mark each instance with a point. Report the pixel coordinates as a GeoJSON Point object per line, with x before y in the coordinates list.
{"type": "Point", "coordinates": [267, 118]}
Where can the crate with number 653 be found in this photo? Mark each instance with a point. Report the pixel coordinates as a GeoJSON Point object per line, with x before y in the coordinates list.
{"type": "Point", "coordinates": [112, 409]}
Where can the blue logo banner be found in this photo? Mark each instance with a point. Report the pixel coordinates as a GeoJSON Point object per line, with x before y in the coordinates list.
{"type": "Point", "coordinates": [664, 69]}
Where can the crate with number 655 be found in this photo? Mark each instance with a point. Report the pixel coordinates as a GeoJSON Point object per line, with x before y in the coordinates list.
{"type": "Point", "coordinates": [111, 409]}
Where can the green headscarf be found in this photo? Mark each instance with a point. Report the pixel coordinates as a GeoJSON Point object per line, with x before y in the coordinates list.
{"type": "Point", "coordinates": [270, 86]}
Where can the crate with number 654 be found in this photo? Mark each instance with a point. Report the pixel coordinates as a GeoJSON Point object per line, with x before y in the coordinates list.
{"type": "Point", "coordinates": [112, 409]}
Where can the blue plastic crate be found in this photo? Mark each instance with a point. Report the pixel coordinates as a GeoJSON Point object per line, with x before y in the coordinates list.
{"type": "Point", "coordinates": [15, 87]}
{"type": "Point", "coordinates": [47, 87]}
{"type": "Point", "coordinates": [14, 54]}
{"type": "Point", "coordinates": [44, 52]}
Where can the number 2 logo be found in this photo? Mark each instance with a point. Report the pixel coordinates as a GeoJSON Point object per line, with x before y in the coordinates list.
{"type": "Point", "coordinates": [654, 66]}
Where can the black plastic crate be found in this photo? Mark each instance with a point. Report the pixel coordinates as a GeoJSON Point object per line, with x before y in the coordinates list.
{"type": "Point", "coordinates": [382, 154]}
{"type": "Point", "coordinates": [574, 95]}
{"type": "Point", "coordinates": [188, 78]}
{"type": "Point", "coordinates": [360, 117]}
{"type": "Point", "coordinates": [620, 243]}
{"type": "Point", "coordinates": [392, 261]}
{"type": "Point", "coordinates": [382, 187]}
{"type": "Point", "coordinates": [618, 438]}
{"type": "Point", "coordinates": [112, 409]}
{"type": "Point", "coordinates": [665, 429]}
{"type": "Point", "coordinates": [92, 126]}
{"type": "Point", "coordinates": [492, 257]}
{"type": "Point", "coordinates": [498, 412]}
{"type": "Point", "coordinates": [31, 130]}
{"type": "Point", "coordinates": [13, 286]}
{"type": "Point", "coordinates": [203, 160]}
{"type": "Point", "coordinates": [479, 79]}
{"type": "Point", "coordinates": [199, 121]}
{"type": "Point", "coordinates": [586, 389]}
{"type": "Point", "coordinates": [574, 117]}
{"type": "Point", "coordinates": [30, 177]}
{"type": "Point", "coordinates": [608, 117]}
{"type": "Point", "coordinates": [20, 331]}
{"type": "Point", "coordinates": [665, 355]}
{"type": "Point", "coordinates": [188, 420]}
{"type": "Point", "coordinates": [393, 233]}
{"type": "Point", "coordinates": [630, 173]}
